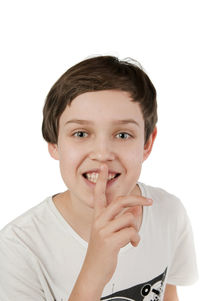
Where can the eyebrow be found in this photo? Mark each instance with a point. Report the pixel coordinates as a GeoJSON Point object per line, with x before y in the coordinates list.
{"type": "Point", "coordinates": [115, 122]}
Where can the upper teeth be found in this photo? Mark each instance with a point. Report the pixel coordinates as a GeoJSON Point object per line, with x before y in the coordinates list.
{"type": "Point", "coordinates": [94, 176]}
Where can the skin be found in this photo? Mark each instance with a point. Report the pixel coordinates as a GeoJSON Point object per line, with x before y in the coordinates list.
{"type": "Point", "coordinates": [170, 293]}
{"type": "Point", "coordinates": [101, 213]}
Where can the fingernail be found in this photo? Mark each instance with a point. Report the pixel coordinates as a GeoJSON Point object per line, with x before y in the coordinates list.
{"type": "Point", "coordinates": [103, 166]}
{"type": "Point", "coordinates": [149, 201]}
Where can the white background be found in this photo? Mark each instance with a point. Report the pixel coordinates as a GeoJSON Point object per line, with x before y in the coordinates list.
{"type": "Point", "coordinates": [41, 39]}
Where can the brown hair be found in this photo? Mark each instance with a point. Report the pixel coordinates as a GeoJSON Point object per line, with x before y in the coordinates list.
{"type": "Point", "coordinates": [95, 74]}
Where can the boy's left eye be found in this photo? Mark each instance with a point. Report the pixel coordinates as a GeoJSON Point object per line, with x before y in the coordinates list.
{"type": "Point", "coordinates": [123, 135]}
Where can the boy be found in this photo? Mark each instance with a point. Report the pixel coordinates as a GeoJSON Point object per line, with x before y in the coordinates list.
{"type": "Point", "coordinates": [108, 236]}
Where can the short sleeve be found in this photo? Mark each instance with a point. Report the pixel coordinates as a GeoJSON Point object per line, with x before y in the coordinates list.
{"type": "Point", "coordinates": [19, 279]}
{"type": "Point", "coordinates": [183, 267]}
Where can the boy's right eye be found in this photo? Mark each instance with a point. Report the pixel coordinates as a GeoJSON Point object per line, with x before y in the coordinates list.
{"type": "Point", "coordinates": [80, 134]}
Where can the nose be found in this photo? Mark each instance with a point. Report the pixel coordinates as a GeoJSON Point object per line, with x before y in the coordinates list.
{"type": "Point", "coordinates": [102, 151]}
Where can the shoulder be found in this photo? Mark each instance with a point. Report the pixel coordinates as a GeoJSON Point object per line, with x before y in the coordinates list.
{"type": "Point", "coordinates": [161, 196]}
{"type": "Point", "coordinates": [166, 205]}
{"type": "Point", "coordinates": [27, 221]}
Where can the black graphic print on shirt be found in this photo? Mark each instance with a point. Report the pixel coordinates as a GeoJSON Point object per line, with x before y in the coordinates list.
{"type": "Point", "coordinates": [148, 291]}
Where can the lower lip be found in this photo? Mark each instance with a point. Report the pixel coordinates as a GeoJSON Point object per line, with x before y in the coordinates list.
{"type": "Point", "coordinates": [91, 184]}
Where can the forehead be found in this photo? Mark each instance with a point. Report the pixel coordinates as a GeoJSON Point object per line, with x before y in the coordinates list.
{"type": "Point", "coordinates": [103, 106]}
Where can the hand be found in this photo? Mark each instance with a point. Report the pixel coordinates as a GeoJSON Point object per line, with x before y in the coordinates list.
{"type": "Point", "coordinates": [111, 230]}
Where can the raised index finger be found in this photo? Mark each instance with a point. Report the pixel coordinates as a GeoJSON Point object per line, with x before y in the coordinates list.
{"type": "Point", "coordinates": [100, 200]}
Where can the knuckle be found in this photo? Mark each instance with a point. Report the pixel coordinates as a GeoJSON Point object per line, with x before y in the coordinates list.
{"type": "Point", "coordinates": [117, 204]}
{"type": "Point", "coordinates": [129, 216]}
{"type": "Point", "coordinates": [136, 239]}
{"type": "Point", "coordinates": [133, 232]}
{"type": "Point", "coordinates": [119, 199]}
{"type": "Point", "coordinates": [120, 204]}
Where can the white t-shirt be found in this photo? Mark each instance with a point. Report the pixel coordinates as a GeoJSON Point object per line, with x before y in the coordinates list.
{"type": "Point", "coordinates": [41, 255]}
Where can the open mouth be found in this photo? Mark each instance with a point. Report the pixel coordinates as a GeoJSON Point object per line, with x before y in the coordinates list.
{"type": "Point", "coordinates": [92, 177]}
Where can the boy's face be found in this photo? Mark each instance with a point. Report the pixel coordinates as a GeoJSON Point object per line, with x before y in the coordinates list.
{"type": "Point", "coordinates": [101, 127]}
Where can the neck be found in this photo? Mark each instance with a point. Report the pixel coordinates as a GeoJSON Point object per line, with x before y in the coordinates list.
{"type": "Point", "coordinates": [77, 214]}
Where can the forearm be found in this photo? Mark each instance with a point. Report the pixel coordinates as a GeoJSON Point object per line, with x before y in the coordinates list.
{"type": "Point", "coordinates": [170, 293]}
{"type": "Point", "coordinates": [86, 288]}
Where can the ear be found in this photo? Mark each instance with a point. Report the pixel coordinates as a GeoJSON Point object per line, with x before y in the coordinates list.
{"type": "Point", "coordinates": [149, 144]}
{"type": "Point", "coordinates": [53, 151]}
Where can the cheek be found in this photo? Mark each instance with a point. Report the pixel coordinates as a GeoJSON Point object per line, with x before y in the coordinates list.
{"type": "Point", "coordinates": [134, 158]}
{"type": "Point", "coordinates": [70, 159]}
{"type": "Point", "coordinates": [134, 165]}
